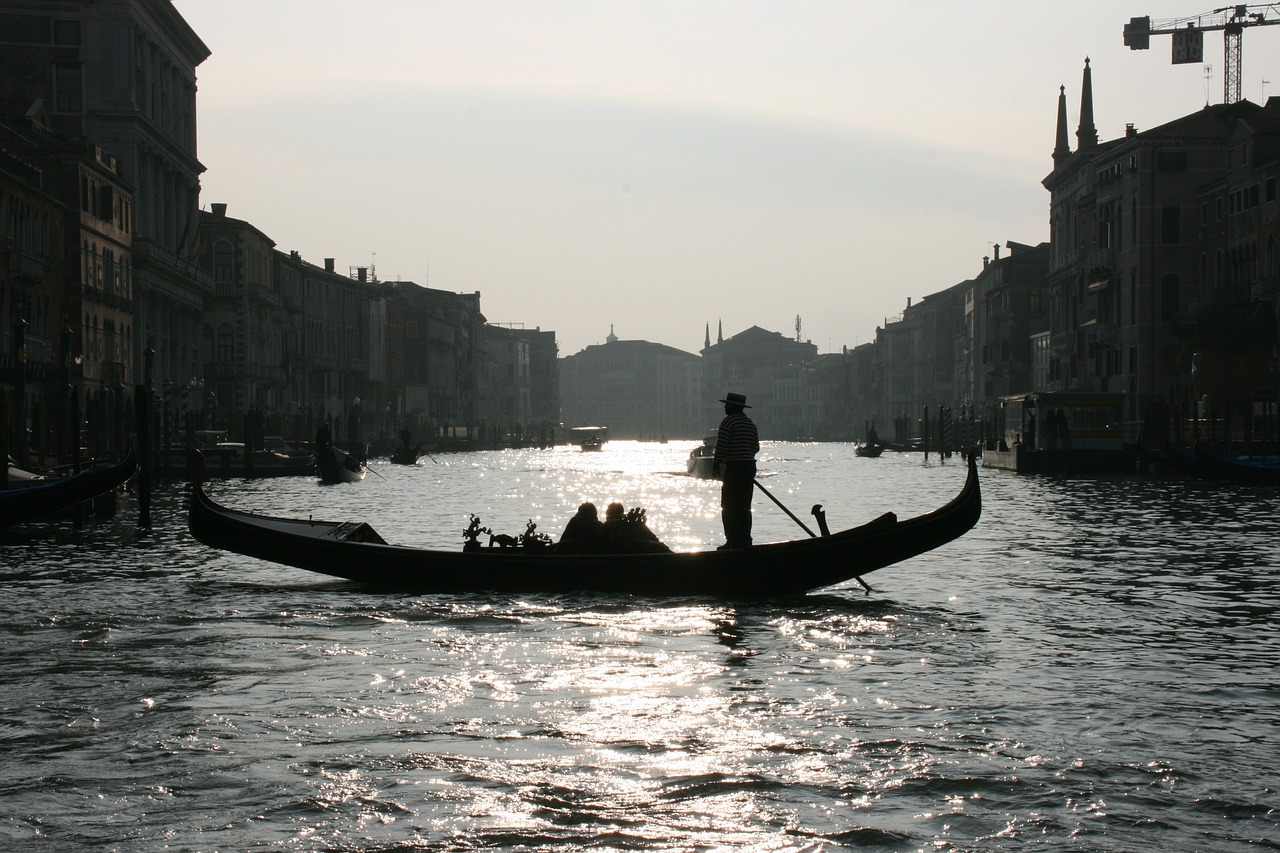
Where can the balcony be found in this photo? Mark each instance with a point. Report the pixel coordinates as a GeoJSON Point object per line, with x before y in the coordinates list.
{"type": "Point", "coordinates": [1097, 334]}
{"type": "Point", "coordinates": [261, 293]}
{"type": "Point", "coordinates": [27, 267]}
{"type": "Point", "coordinates": [1063, 343]}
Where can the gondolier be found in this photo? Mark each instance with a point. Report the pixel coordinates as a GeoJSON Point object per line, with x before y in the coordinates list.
{"type": "Point", "coordinates": [737, 444]}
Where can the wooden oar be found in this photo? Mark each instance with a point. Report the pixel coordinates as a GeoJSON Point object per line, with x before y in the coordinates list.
{"type": "Point", "coordinates": [817, 510]}
{"type": "Point", "coordinates": [794, 517]}
{"type": "Point", "coordinates": [366, 462]}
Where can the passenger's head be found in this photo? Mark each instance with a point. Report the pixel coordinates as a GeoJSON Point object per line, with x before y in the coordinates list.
{"type": "Point", "coordinates": [614, 512]}
{"type": "Point", "coordinates": [588, 509]}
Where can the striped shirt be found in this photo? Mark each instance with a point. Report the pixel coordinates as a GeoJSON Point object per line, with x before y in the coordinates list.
{"type": "Point", "coordinates": [738, 440]}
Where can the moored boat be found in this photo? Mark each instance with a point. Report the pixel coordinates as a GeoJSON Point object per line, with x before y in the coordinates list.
{"type": "Point", "coordinates": [355, 551]}
{"type": "Point", "coordinates": [232, 459]}
{"type": "Point", "coordinates": [1241, 469]}
{"type": "Point", "coordinates": [43, 498]}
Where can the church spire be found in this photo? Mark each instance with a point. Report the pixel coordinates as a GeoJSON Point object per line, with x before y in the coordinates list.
{"type": "Point", "coordinates": [706, 344]}
{"type": "Point", "coordinates": [612, 339]}
{"type": "Point", "coordinates": [720, 332]}
{"type": "Point", "coordinates": [1062, 147]}
{"type": "Point", "coordinates": [1086, 134]}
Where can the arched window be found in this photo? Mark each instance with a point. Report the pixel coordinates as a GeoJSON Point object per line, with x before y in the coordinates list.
{"type": "Point", "coordinates": [223, 261]}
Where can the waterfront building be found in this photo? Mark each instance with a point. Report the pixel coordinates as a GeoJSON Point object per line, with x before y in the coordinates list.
{"type": "Point", "coordinates": [440, 391]}
{"type": "Point", "coordinates": [747, 363]}
{"type": "Point", "coordinates": [510, 390]}
{"type": "Point", "coordinates": [638, 389]}
{"type": "Point", "coordinates": [243, 362]}
{"type": "Point", "coordinates": [32, 224]}
{"type": "Point", "coordinates": [121, 74]}
{"type": "Point", "coordinates": [918, 362]}
{"type": "Point", "coordinates": [1159, 253]}
{"type": "Point", "coordinates": [1004, 312]}
{"type": "Point", "coordinates": [65, 272]}
{"type": "Point", "coordinates": [544, 383]}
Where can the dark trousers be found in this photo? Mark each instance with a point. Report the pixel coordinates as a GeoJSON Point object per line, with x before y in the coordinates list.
{"type": "Point", "coordinates": [736, 486]}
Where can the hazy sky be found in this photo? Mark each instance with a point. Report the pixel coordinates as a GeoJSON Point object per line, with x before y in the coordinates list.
{"type": "Point", "coordinates": [663, 164]}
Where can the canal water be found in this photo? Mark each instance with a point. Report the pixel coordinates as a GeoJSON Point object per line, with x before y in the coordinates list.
{"type": "Point", "coordinates": [1091, 668]}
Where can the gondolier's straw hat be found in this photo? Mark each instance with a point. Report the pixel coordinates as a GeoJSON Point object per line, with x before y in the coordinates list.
{"type": "Point", "coordinates": [736, 400]}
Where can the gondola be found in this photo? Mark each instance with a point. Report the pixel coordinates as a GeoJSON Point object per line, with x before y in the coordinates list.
{"type": "Point", "coordinates": [868, 451]}
{"type": "Point", "coordinates": [406, 455]}
{"type": "Point", "coordinates": [354, 551]}
{"type": "Point", "coordinates": [1241, 469]}
{"type": "Point", "coordinates": [20, 504]}
{"type": "Point", "coordinates": [334, 465]}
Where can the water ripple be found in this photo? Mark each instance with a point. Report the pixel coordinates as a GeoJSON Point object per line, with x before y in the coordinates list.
{"type": "Point", "coordinates": [1091, 667]}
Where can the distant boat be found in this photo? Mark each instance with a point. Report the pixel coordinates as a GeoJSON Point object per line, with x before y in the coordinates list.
{"type": "Point", "coordinates": [869, 451]}
{"type": "Point", "coordinates": [334, 465]}
{"type": "Point", "coordinates": [590, 437]}
{"type": "Point", "coordinates": [406, 455]}
{"type": "Point", "coordinates": [701, 462]}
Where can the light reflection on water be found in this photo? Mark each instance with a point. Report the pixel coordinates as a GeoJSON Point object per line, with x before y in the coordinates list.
{"type": "Point", "coordinates": [1091, 666]}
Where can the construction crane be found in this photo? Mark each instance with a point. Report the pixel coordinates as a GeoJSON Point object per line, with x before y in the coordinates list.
{"type": "Point", "coordinates": [1188, 37]}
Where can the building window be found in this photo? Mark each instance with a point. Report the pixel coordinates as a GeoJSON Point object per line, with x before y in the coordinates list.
{"type": "Point", "coordinates": [224, 268]}
{"type": "Point", "coordinates": [1170, 224]}
{"type": "Point", "coordinates": [68, 88]}
{"type": "Point", "coordinates": [1168, 298]}
{"type": "Point", "coordinates": [66, 32]}
{"type": "Point", "coordinates": [225, 342]}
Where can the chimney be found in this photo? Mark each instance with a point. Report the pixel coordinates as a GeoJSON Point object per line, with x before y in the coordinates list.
{"type": "Point", "coordinates": [1130, 131]}
{"type": "Point", "coordinates": [362, 274]}
{"type": "Point", "coordinates": [219, 209]}
{"type": "Point", "coordinates": [328, 264]}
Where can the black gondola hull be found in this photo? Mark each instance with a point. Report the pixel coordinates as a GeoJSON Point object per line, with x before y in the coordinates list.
{"type": "Point", "coordinates": [355, 552]}
{"type": "Point", "coordinates": [21, 504]}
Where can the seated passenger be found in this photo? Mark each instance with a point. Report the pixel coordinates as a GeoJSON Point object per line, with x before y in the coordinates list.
{"type": "Point", "coordinates": [626, 533]}
{"type": "Point", "coordinates": [581, 531]}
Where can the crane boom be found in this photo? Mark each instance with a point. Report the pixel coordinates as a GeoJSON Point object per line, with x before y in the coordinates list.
{"type": "Point", "coordinates": [1188, 37]}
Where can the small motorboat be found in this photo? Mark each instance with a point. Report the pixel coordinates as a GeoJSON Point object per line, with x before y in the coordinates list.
{"type": "Point", "coordinates": [701, 462]}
